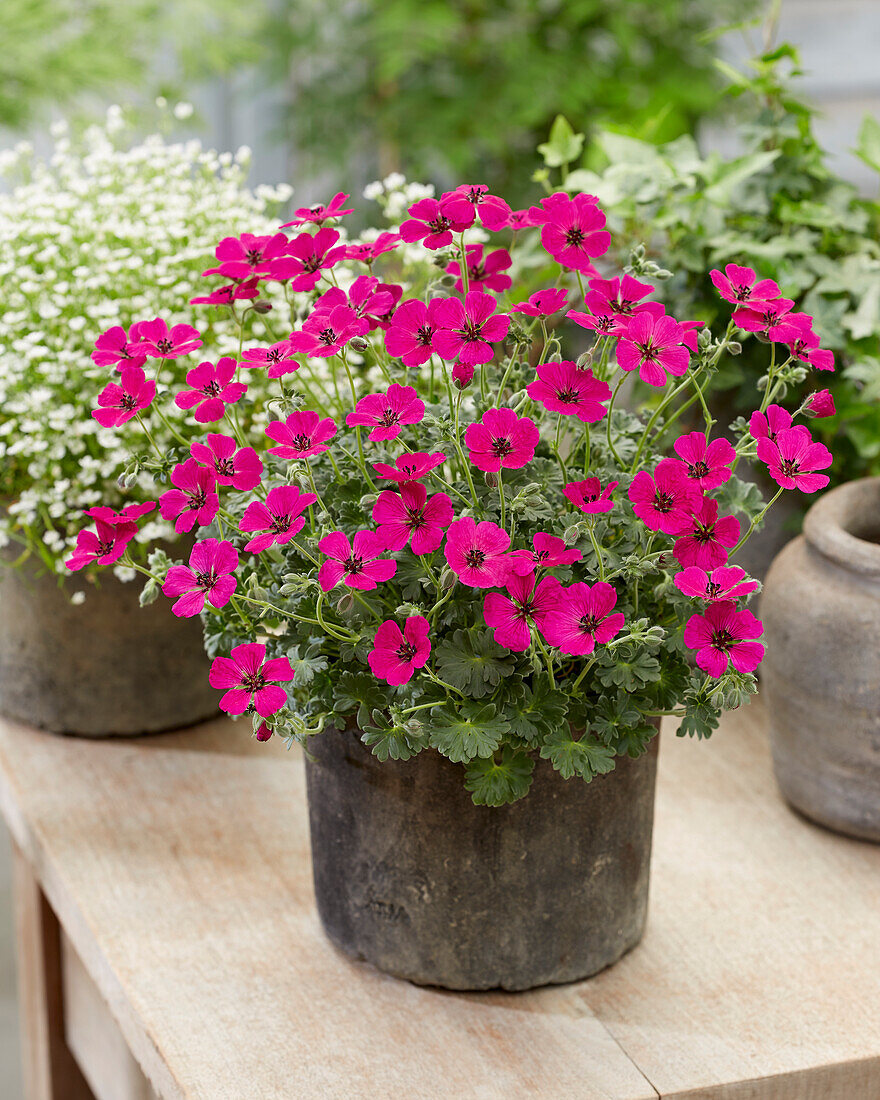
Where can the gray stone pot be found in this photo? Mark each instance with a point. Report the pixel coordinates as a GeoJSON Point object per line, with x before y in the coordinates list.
{"type": "Point", "coordinates": [105, 667]}
{"type": "Point", "coordinates": [414, 878]}
{"type": "Point", "coordinates": [821, 675]}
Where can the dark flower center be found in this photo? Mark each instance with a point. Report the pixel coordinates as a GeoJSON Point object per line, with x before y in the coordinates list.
{"type": "Point", "coordinates": [501, 447]}
{"type": "Point", "coordinates": [416, 519]}
{"type": "Point", "coordinates": [424, 335]}
{"type": "Point", "coordinates": [742, 293]}
{"type": "Point", "coordinates": [790, 467]}
{"type": "Point", "coordinates": [128, 401]}
{"type": "Point", "coordinates": [311, 265]}
{"type": "Point", "coordinates": [474, 195]}
{"type": "Point", "coordinates": [474, 558]}
{"type": "Point", "coordinates": [389, 418]}
{"type": "Point", "coordinates": [471, 330]}
{"type": "Point", "coordinates": [406, 652]}
{"type": "Point", "coordinates": [722, 639]}
{"type": "Point", "coordinates": [588, 624]}
{"type": "Point", "coordinates": [211, 389]}
{"type": "Point", "coordinates": [274, 355]}
{"type": "Point", "coordinates": [704, 532]}
{"type": "Point", "coordinates": [224, 467]}
{"type": "Point", "coordinates": [281, 523]}
{"type": "Point", "coordinates": [699, 469]}
{"type": "Point", "coordinates": [164, 345]}
{"type": "Point", "coordinates": [568, 397]}
{"type": "Point", "coordinates": [541, 555]}
{"type": "Point", "coordinates": [197, 498]}
{"type": "Point", "coordinates": [302, 442]}
{"type": "Point", "coordinates": [439, 224]}
{"type": "Point", "coordinates": [104, 548]}
{"type": "Point", "coordinates": [574, 236]}
{"type": "Point", "coordinates": [327, 336]}
{"type": "Point", "coordinates": [477, 271]}
{"type": "Point", "coordinates": [649, 351]}
{"type": "Point", "coordinates": [663, 502]}
{"type": "Point", "coordinates": [206, 581]}
{"type": "Point", "coordinates": [353, 564]}
{"type": "Point", "coordinates": [253, 256]}
{"type": "Point", "coordinates": [713, 589]}
{"type": "Point", "coordinates": [253, 681]}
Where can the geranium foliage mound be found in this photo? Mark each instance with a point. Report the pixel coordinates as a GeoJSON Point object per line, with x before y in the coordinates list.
{"type": "Point", "coordinates": [464, 541]}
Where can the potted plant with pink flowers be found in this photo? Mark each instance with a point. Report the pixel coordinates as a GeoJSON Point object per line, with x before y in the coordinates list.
{"type": "Point", "coordinates": [469, 581]}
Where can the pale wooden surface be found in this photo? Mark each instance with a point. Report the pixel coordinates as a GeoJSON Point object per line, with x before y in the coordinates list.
{"type": "Point", "coordinates": [179, 869]}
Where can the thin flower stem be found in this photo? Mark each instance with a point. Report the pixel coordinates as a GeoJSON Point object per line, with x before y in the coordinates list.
{"type": "Point", "coordinates": [583, 673]}
{"type": "Point", "coordinates": [501, 496]}
{"type": "Point", "coordinates": [547, 660]}
{"type": "Point", "coordinates": [305, 553]}
{"type": "Point", "coordinates": [598, 552]}
{"type": "Point", "coordinates": [465, 275]}
{"type": "Point", "coordinates": [464, 461]}
{"type": "Point", "coordinates": [443, 683]}
{"type": "Point", "coordinates": [152, 441]}
{"type": "Point", "coordinates": [758, 519]}
{"type": "Point", "coordinates": [315, 487]}
{"type": "Point", "coordinates": [322, 622]}
{"type": "Point", "coordinates": [587, 449]}
{"type": "Point", "coordinates": [611, 446]}
{"type": "Point", "coordinates": [558, 452]}
{"type": "Point", "coordinates": [420, 706]}
{"type": "Point", "coordinates": [581, 287]}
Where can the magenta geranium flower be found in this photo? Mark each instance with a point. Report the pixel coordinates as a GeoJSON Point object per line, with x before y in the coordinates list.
{"type": "Point", "coordinates": [321, 213]}
{"type": "Point", "coordinates": [653, 345]}
{"type": "Point", "coordinates": [277, 521]}
{"type": "Point", "coordinates": [308, 254]}
{"type": "Point", "coordinates": [462, 375]}
{"type": "Point", "coordinates": [208, 577]}
{"type": "Point", "coordinates": [708, 464]}
{"type": "Point", "coordinates": [277, 358]}
{"type": "Point", "coordinates": [250, 681]}
{"type": "Point", "coordinates": [564, 388]}
{"type": "Point", "coordinates": [462, 205]}
{"type": "Point", "coordinates": [357, 564]}
{"type": "Point", "coordinates": [193, 501]}
{"type": "Point", "coordinates": [706, 540]}
{"type": "Point", "coordinates": [767, 425]}
{"type": "Point", "coordinates": [248, 255]}
{"type": "Point", "coordinates": [232, 292]}
{"type": "Point", "coordinates": [728, 582]}
{"type": "Point", "coordinates": [326, 333]}
{"type": "Point", "coordinates": [467, 331]}
{"type": "Point", "coordinates": [583, 617]}
{"type": "Point", "coordinates": [795, 329]}
{"type": "Point", "coordinates": [621, 297]}
{"type": "Point", "coordinates": [410, 512]}
{"type": "Point", "coordinates": [521, 219]}
{"type": "Point", "coordinates": [762, 316]}
{"type": "Point", "coordinates": [119, 403]}
{"type": "Point", "coordinates": [501, 440]}
{"type": "Point", "coordinates": [821, 403]}
{"type": "Point", "coordinates": [430, 226]}
{"type": "Point", "coordinates": [666, 501]}
{"type": "Point", "coordinates": [549, 552]}
{"type": "Point", "coordinates": [301, 435]}
{"type": "Point", "coordinates": [241, 468]}
{"type": "Point", "coordinates": [543, 303]}
{"type": "Point", "coordinates": [409, 467]}
{"type": "Point", "coordinates": [368, 251]}
{"type": "Point", "coordinates": [117, 348]}
{"type": "Point", "coordinates": [396, 653]}
{"type": "Point", "coordinates": [574, 233]}
{"type": "Point", "coordinates": [477, 552]}
{"type": "Point", "coordinates": [157, 340]}
{"type": "Point", "coordinates": [722, 635]}
{"type": "Point", "coordinates": [588, 496]}
{"type": "Point", "coordinates": [483, 274]}
{"type": "Point", "coordinates": [604, 324]}
{"type": "Point", "coordinates": [793, 458]}
{"type": "Point", "coordinates": [212, 389]}
{"type": "Point", "coordinates": [113, 532]}
{"type": "Point", "coordinates": [368, 298]}
{"type": "Point", "coordinates": [741, 284]}
{"type": "Point", "coordinates": [386, 413]}
{"type": "Point", "coordinates": [410, 336]}
{"type": "Point", "coordinates": [511, 616]}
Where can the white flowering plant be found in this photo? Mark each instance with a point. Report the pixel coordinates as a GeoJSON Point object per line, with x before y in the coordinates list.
{"type": "Point", "coordinates": [103, 225]}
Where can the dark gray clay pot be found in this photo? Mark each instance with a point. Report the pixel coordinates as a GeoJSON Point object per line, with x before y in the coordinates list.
{"type": "Point", "coordinates": [105, 667]}
{"type": "Point", "coordinates": [414, 878]}
{"type": "Point", "coordinates": [821, 675]}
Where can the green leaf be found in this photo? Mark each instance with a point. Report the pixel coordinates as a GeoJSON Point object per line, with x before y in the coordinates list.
{"type": "Point", "coordinates": [473, 663]}
{"type": "Point", "coordinates": [493, 782]}
{"type": "Point", "coordinates": [474, 731]}
{"type": "Point", "coordinates": [700, 721]}
{"type": "Point", "coordinates": [583, 757]}
{"type": "Point", "coordinates": [536, 712]}
{"type": "Point", "coordinates": [734, 172]}
{"type": "Point", "coordinates": [392, 741]}
{"type": "Point", "coordinates": [868, 145]}
{"type": "Point", "coordinates": [352, 689]}
{"type": "Point", "coordinates": [564, 145]}
{"type": "Point", "coordinates": [305, 667]}
{"type": "Point", "coordinates": [630, 673]}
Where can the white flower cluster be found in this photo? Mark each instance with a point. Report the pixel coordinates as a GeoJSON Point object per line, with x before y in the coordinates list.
{"type": "Point", "coordinates": [101, 233]}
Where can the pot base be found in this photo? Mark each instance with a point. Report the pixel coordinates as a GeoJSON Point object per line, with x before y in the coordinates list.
{"type": "Point", "coordinates": [415, 879]}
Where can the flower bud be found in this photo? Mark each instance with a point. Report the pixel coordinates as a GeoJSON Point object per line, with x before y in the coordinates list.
{"type": "Point", "coordinates": [359, 343]}
{"type": "Point", "coordinates": [462, 376]}
{"type": "Point", "coordinates": [447, 282]}
{"type": "Point", "coordinates": [263, 733]}
{"type": "Point", "coordinates": [491, 480]}
{"type": "Point", "coordinates": [448, 579]}
{"type": "Point", "coordinates": [262, 306]}
{"type": "Point", "coordinates": [820, 404]}
{"type": "Point", "coordinates": [585, 360]}
{"type": "Point", "coordinates": [734, 348]}
{"type": "Point", "coordinates": [345, 603]}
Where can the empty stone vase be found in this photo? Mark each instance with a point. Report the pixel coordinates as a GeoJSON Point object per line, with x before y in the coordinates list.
{"type": "Point", "coordinates": [821, 676]}
{"type": "Point", "coordinates": [414, 878]}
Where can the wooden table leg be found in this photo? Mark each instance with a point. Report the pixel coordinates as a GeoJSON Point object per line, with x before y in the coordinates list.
{"type": "Point", "coordinates": [49, 1069]}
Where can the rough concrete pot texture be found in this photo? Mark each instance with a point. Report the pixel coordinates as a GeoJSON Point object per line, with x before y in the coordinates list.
{"type": "Point", "coordinates": [103, 668]}
{"type": "Point", "coordinates": [821, 675]}
{"type": "Point", "coordinates": [414, 878]}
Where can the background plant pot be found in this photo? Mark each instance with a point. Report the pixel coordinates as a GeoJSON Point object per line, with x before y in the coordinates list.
{"type": "Point", "coordinates": [105, 667]}
{"type": "Point", "coordinates": [414, 878]}
{"type": "Point", "coordinates": [821, 676]}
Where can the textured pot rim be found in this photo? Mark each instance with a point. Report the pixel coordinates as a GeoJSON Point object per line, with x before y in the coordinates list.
{"type": "Point", "coordinates": [829, 524]}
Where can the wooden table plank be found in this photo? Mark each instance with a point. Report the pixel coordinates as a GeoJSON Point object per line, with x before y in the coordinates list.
{"type": "Point", "coordinates": [179, 868]}
{"type": "Point", "coordinates": [180, 872]}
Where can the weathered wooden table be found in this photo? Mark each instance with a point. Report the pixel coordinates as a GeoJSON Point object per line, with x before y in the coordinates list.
{"type": "Point", "coordinates": [169, 945]}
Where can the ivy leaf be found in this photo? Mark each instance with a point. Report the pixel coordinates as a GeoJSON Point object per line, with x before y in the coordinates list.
{"type": "Point", "coordinates": [474, 731]}
{"type": "Point", "coordinates": [564, 145]}
{"type": "Point", "coordinates": [536, 712]}
{"type": "Point", "coordinates": [473, 663]}
{"type": "Point", "coordinates": [495, 782]}
{"type": "Point", "coordinates": [583, 756]}
{"type": "Point", "coordinates": [630, 673]}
